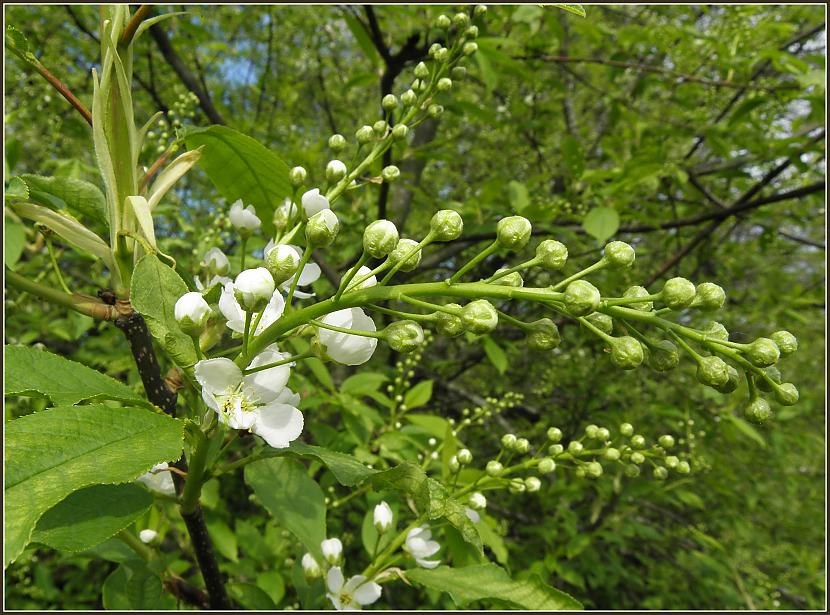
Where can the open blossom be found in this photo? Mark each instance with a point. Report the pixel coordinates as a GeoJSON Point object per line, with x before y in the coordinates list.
{"type": "Point", "coordinates": [159, 479]}
{"type": "Point", "coordinates": [309, 274]}
{"type": "Point", "coordinates": [346, 348]}
{"type": "Point", "coordinates": [314, 202]}
{"type": "Point", "coordinates": [353, 594]}
{"type": "Point", "coordinates": [235, 315]}
{"type": "Point", "coordinates": [259, 402]}
{"type": "Point", "coordinates": [217, 266]}
{"type": "Point", "coordinates": [244, 218]}
{"type": "Point", "coordinates": [420, 545]}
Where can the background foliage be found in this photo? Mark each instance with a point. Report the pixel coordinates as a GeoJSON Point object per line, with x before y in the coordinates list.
{"type": "Point", "coordinates": [653, 124]}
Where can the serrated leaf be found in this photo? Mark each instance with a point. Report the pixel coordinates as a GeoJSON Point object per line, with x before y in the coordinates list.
{"type": "Point", "coordinates": [65, 382]}
{"type": "Point", "coordinates": [576, 9]}
{"type": "Point", "coordinates": [601, 223]}
{"type": "Point", "coordinates": [133, 587]}
{"type": "Point", "coordinates": [419, 395]}
{"type": "Point", "coordinates": [346, 469]}
{"type": "Point", "coordinates": [54, 452]}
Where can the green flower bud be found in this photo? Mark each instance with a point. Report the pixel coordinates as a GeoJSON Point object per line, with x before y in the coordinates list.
{"type": "Point", "coordinates": [458, 73]}
{"type": "Point", "coordinates": [544, 335]}
{"type": "Point", "coordinates": [435, 110]}
{"type": "Point", "coordinates": [494, 468]}
{"type": "Point", "coordinates": [444, 84]}
{"type": "Point", "coordinates": [322, 228]}
{"type": "Point", "coordinates": [731, 385]}
{"type": "Point", "coordinates": [449, 324]}
{"type": "Point", "coordinates": [471, 32]}
{"type": "Point", "coordinates": [533, 484]}
{"type": "Point", "coordinates": [337, 142]}
{"type": "Point", "coordinates": [364, 134]}
{"type": "Point", "coordinates": [632, 471]}
{"type": "Point", "coordinates": [297, 176]}
{"type": "Point", "coordinates": [579, 472]}
{"type": "Point", "coordinates": [461, 20]}
{"type": "Point", "coordinates": [479, 10]}
{"type": "Point", "coordinates": [763, 384]}
{"type": "Point", "coordinates": [716, 331]}
{"type": "Point", "coordinates": [553, 254]}
{"type": "Point", "coordinates": [591, 431]}
{"type": "Point", "coordinates": [556, 449]}
{"type": "Point", "coordinates": [469, 48]}
{"type": "Point", "coordinates": [638, 291]}
{"type": "Point", "coordinates": [282, 262]}
{"type": "Point", "coordinates": [611, 454]}
{"type": "Point", "coordinates": [603, 435]}
{"type": "Point", "coordinates": [380, 127]}
{"type": "Point", "coordinates": [442, 55]}
{"type": "Point", "coordinates": [709, 297]}
{"type": "Point", "coordinates": [626, 353]}
{"type": "Point", "coordinates": [618, 255]}
{"type": "Point", "coordinates": [465, 457]}
{"type": "Point", "coordinates": [626, 429]}
{"type": "Point", "coordinates": [404, 247]}
{"type": "Point", "coordinates": [787, 342]}
{"type": "Point", "coordinates": [513, 280]}
{"type": "Point", "coordinates": [508, 441]}
{"type": "Point", "coordinates": [593, 469]}
{"type": "Point", "coordinates": [581, 298]}
{"type": "Point", "coordinates": [389, 102]}
{"type": "Point", "coordinates": [400, 131]}
{"type": "Point", "coordinates": [575, 447]}
{"type": "Point", "coordinates": [390, 173]}
{"type": "Point", "coordinates": [601, 321]}
{"type": "Point", "coordinates": [335, 171]}
{"type": "Point", "coordinates": [712, 371]}
{"type": "Point", "coordinates": [683, 467]}
{"type": "Point", "coordinates": [638, 441]}
{"type": "Point", "coordinates": [420, 85]}
{"type": "Point", "coordinates": [479, 316]}
{"type": "Point", "coordinates": [409, 98]}
{"type": "Point", "coordinates": [547, 465]}
{"type": "Point", "coordinates": [666, 441]}
{"type": "Point", "coordinates": [433, 49]}
{"type": "Point", "coordinates": [678, 293]}
{"type": "Point", "coordinates": [380, 238]}
{"type": "Point", "coordinates": [421, 70]}
{"type": "Point", "coordinates": [516, 485]}
{"type": "Point", "coordinates": [672, 462]}
{"type": "Point", "coordinates": [758, 410]}
{"type": "Point", "coordinates": [443, 22]}
{"type": "Point", "coordinates": [522, 445]}
{"type": "Point", "coordinates": [663, 356]}
{"type": "Point", "coordinates": [404, 336]}
{"type": "Point", "coordinates": [786, 394]}
{"type": "Point", "coordinates": [554, 434]}
{"type": "Point", "coordinates": [661, 473]}
{"type": "Point", "coordinates": [762, 352]}
{"type": "Point", "coordinates": [637, 458]}
{"type": "Point", "coordinates": [446, 225]}
{"type": "Point", "coordinates": [513, 232]}
{"type": "Point", "coordinates": [453, 464]}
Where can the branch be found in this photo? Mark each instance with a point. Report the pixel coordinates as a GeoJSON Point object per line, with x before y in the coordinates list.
{"type": "Point", "coordinates": [83, 304]}
{"type": "Point", "coordinates": [375, 34]}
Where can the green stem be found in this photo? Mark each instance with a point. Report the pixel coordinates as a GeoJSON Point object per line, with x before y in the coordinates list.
{"type": "Point", "coordinates": [600, 264]}
{"type": "Point", "coordinates": [134, 542]}
{"type": "Point", "coordinates": [593, 329]}
{"type": "Point", "coordinates": [246, 335]}
{"type": "Point", "coordinates": [630, 300]}
{"type": "Point", "coordinates": [376, 566]}
{"type": "Point", "coordinates": [55, 266]}
{"type": "Point", "coordinates": [244, 245]}
{"type": "Point", "coordinates": [524, 326]}
{"type": "Point", "coordinates": [305, 258]}
{"type": "Point", "coordinates": [379, 269]}
{"type": "Point", "coordinates": [195, 474]}
{"type": "Point", "coordinates": [89, 306]}
{"type": "Point", "coordinates": [424, 242]}
{"type": "Point", "coordinates": [431, 306]}
{"type": "Point", "coordinates": [344, 283]}
{"type": "Point", "coordinates": [260, 368]}
{"type": "Point", "coordinates": [493, 247]}
{"type": "Point", "coordinates": [322, 325]}
{"type": "Point", "coordinates": [399, 314]}
{"type": "Point", "coordinates": [521, 267]}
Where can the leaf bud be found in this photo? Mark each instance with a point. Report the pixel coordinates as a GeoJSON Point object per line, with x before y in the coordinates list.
{"type": "Point", "coordinates": [546, 465]}
{"type": "Point", "coordinates": [666, 441]}
{"type": "Point", "coordinates": [678, 293]}
{"type": "Point", "coordinates": [282, 262]}
{"type": "Point", "coordinates": [390, 173]}
{"type": "Point", "coordinates": [337, 142]}
{"type": "Point", "coordinates": [471, 32]}
{"type": "Point", "coordinates": [533, 484]}
{"type": "Point", "coordinates": [758, 410]}
{"type": "Point", "coordinates": [626, 353]}
{"type": "Point", "coordinates": [611, 454]}
{"type": "Point", "coordinates": [409, 98]}
{"type": "Point", "coordinates": [601, 321]}
{"type": "Point", "coordinates": [404, 335]}
{"type": "Point", "coordinates": [716, 331]}
{"type": "Point", "coordinates": [543, 335]}
{"type": "Point", "coordinates": [661, 473]}
{"type": "Point", "coordinates": [638, 291]}
{"type": "Point", "coordinates": [443, 22]}
{"type": "Point", "coordinates": [421, 69]}
{"type": "Point", "coordinates": [712, 371]}
{"type": "Point", "coordinates": [435, 110]}
{"type": "Point", "coordinates": [400, 131]}
{"type": "Point", "coordinates": [581, 298]}
{"type": "Point", "coordinates": [618, 254]}
{"type": "Point", "coordinates": [253, 289]}
{"type": "Point", "coordinates": [508, 441]}
{"type": "Point", "coordinates": [449, 324]}
{"type": "Point", "coordinates": [763, 352]}
{"type": "Point", "coordinates": [479, 316]}
{"type": "Point", "coordinates": [787, 342]}
{"type": "Point", "coordinates": [637, 458]}
{"type": "Point", "coordinates": [522, 445]}
{"type": "Point", "coordinates": [513, 232]}
{"type": "Point", "coordinates": [663, 356]}
{"type": "Point", "coordinates": [191, 312]}
{"type": "Point", "coordinates": [513, 280]}
{"type": "Point", "coordinates": [683, 467]}
{"type": "Point", "coordinates": [297, 176]}
{"type": "Point", "coordinates": [554, 434]}
{"type": "Point", "coordinates": [322, 229]}
{"type": "Point", "coordinates": [575, 447]}
{"type": "Point", "coordinates": [786, 394]}
{"type": "Point", "coordinates": [469, 48]}
{"type": "Point", "coordinates": [364, 134]}
{"type": "Point", "coordinates": [731, 385]}
{"type": "Point", "coordinates": [465, 457]}
{"type": "Point", "coordinates": [493, 468]}
{"type": "Point", "coordinates": [404, 247]}
{"type": "Point", "coordinates": [672, 462]}
{"type": "Point", "coordinates": [593, 469]}
{"type": "Point", "coordinates": [552, 254]}
{"type": "Point", "coordinates": [335, 170]}
{"type": "Point", "coordinates": [556, 449]}
{"type": "Point", "coordinates": [380, 238]}
{"type": "Point", "coordinates": [389, 102]}
{"type": "Point", "coordinates": [446, 225]}
{"type": "Point", "coordinates": [458, 73]}
{"type": "Point", "coordinates": [709, 297]}
{"type": "Point", "coordinates": [626, 429]}
{"type": "Point", "coordinates": [638, 441]}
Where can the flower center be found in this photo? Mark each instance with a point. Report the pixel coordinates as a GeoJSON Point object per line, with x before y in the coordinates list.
{"type": "Point", "coordinates": [237, 401]}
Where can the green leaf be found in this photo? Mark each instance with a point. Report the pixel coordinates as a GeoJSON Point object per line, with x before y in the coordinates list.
{"type": "Point", "coordinates": [14, 240]}
{"type": "Point", "coordinates": [75, 195]}
{"type": "Point", "coordinates": [346, 469]}
{"type": "Point", "coordinates": [362, 383]}
{"type": "Point", "coordinates": [362, 38]}
{"type": "Point", "coordinates": [496, 355]}
{"type": "Point", "coordinates": [317, 367]}
{"type": "Point", "coordinates": [576, 9]}
{"type": "Point", "coordinates": [251, 597]}
{"type": "Point", "coordinates": [65, 382]}
{"type": "Point", "coordinates": [518, 195]}
{"type": "Point", "coordinates": [272, 583]}
{"type": "Point", "coordinates": [54, 452]}
{"type": "Point", "coordinates": [433, 425]}
{"type": "Point", "coordinates": [90, 516]}
{"type": "Point", "coordinates": [223, 538]}
{"type": "Point", "coordinates": [745, 428]}
{"type": "Point", "coordinates": [17, 189]}
{"type": "Point", "coordinates": [154, 290]}
{"type": "Point", "coordinates": [419, 395]}
{"type": "Point", "coordinates": [293, 497]}
{"type": "Point", "coordinates": [490, 581]}
{"type": "Point", "coordinates": [601, 223]}
{"type": "Point", "coordinates": [132, 587]}
{"type": "Point", "coordinates": [242, 168]}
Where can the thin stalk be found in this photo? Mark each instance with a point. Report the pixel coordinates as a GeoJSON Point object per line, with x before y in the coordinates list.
{"type": "Point", "coordinates": [322, 325]}
{"type": "Point", "coordinates": [244, 245]}
{"type": "Point", "coordinates": [83, 304]}
{"type": "Point", "coordinates": [493, 247]}
{"type": "Point", "coordinates": [261, 368]}
{"type": "Point", "coordinates": [246, 335]}
{"type": "Point", "coordinates": [134, 542]}
{"type": "Point", "coordinates": [344, 283]}
{"type": "Point", "coordinates": [520, 267]}
{"type": "Point", "coordinates": [305, 258]}
{"type": "Point", "coordinates": [424, 242]}
{"type": "Point", "coordinates": [399, 314]}
{"type": "Point", "coordinates": [600, 264]}
{"type": "Point", "coordinates": [55, 266]}
{"type": "Point", "coordinates": [598, 332]}
{"type": "Point", "coordinates": [379, 269]}
{"type": "Point", "coordinates": [524, 326]}
{"type": "Point", "coordinates": [431, 306]}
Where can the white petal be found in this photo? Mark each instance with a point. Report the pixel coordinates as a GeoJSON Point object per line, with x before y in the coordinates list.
{"type": "Point", "coordinates": [472, 515]}
{"type": "Point", "coordinates": [368, 282]}
{"type": "Point", "coordinates": [343, 347]}
{"type": "Point", "coordinates": [314, 202]}
{"type": "Point", "coordinates": [231, 309]}
{"type": "Point", "coordinates": [431, 548]}
{"type": "Point", "coordinates": [287, 396]}
{"type": "Point", "coordinates": [266, 385]}
{"type": "Point", "coordinates": [363, 591]}
{"type": "Point", "coordinates": [334, 579]}
{"type": "Point", "coordinates": [299, 294]}
{"type": "Point", "coordinates": [218, 375]}
{"type": "Point", "coordinates": [210, 401]}
{"type": "Point", "coordinates": [278, 424]}
{"type": "Point", "coordinates": [427, 563]}
{"type": "Point", "coordinates": [272, 312]}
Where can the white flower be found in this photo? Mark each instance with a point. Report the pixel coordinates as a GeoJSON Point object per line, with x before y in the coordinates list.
{"type": "Point", "coordinates": [311, 568]}
{"type": "Point", "coordinates": [314, 202]}
{"type": "Point", "coordinates": [191, 312]}
{"type": "Point", "coordinates": [159, 479]}
{"type": "Point", "coordinates": [309, 274]}
{"type": "Point", "coordinates": [244, 218]}
{"type": "Point", "coordinates": [253, 288]}
{"type": "Point", "coordinates": [235, 315]}
{"type": "Point", "coordinates": [217, 266]}
{"type": "Point", "coordinates": [332, 550]}
{"type": "Point", "coordinates": [383, 517]}
{"type": "Point", "coordinates": [355, 593]}
{"type": "Point", "coordinates": [472, 515]}
{"type": "Point", "coordinates": [147, 536]}
{"type": "Point", "coordinates": [346, 348]}
{"type": "Point", "coordinates": [478, 501]}
{"type": "Point", "coordinates": [367, 283]}
{"type": "Point", "coordinates": [420, 546]}
{"type": "Point", "coordinates": [259, 402]}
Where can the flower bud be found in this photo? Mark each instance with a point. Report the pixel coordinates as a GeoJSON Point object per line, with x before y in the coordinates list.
{"type": "Point", "coordinates": [513, 280]}
{"type": "Point", "coordinates": [479, 10]}
{"type": "Point", "coordinates": [638, 441]}
{"type": "Point", "coordinates": [716, 331]}
{"type": "Point", "coordinates": [579, 472]}
{"type": "Point", "coordinates": [672, 462]}
{"type": "Point", "coordinates": [712, 371]}
{"type": "Point", "coordinates": [444, 84]}
{"type": "Point", "coordinates": [409, 98]}
{"type": "Point", "coordinates": [516, 485]}
{"type": "Point", "coordinates": [335, 170]}
{"type": "Point", "coordinates": [554, 434]}
{"type": "Point", "coordinates": [758, 410]}
{"type": "Point", "coordinates": [380, 238]}
{"type": "Point", "coordinates": [666, 441]}
{"type": "Point", "coordinates": [442, 54]}
{"type": "Point", "coordinates": [435, 110]}
{"type": "Point", "coordinates": [638, 291]}
{"type": "Point", "coordinates": [421, 70]}
{"type": "Point", "coordinates": [575, 447]}
{"type": "Point", "coordinates": [593, 469]}
{"type": "Point", "coordinates": [311, 569]}
{"type": "Point", "coordinates": [458, 73]}
{"type": "Point", "coordinates": [421, 85]}
{"type": "Point", "coordinates": [632, 471]}
{"type": "Point", "coordinates": [513, 233]}
{"type": "Point", "coordinates": [709, 297]}
{"type": "Point", "coordinates": [147, 536]}
{"type": "Point", "coordinates": [443, 22]}
{"type": "Point", "coordinates": [297, 176]}
{"type": "Point", "coordinates": [314, 202]}
{"type": "Point", "coordinates": [532, 484]}
{"type": "Point", "coordinates": [479, 316]}
{"type": "Point", "coordinates": [787, 342]}
{"type": "Point", "coordinates": [546, 465]}
{"type": "Point", "coordinates": [618, 255]}
{"type": "Point", "coordinates": [494, 468]}
{"type": "Point", "coordinates": [626, 429]}
{"type": "Point", "coordinates": [400, 131]}
{"type": "Point", "coordinates": [389, 102]}
{"type": "Point", "coordinates": [544, 335]}
{"type": "Point", "coordinates": [253, 289]}
{"type": "Point", "coordinates": [626, 353]}
{"type": "Point", "coordinates": [322, 229]}
{"type": "Point", "coordinates": [390, 173]}
{"type": "Point", "coordinates": [591, 431]}
{"type": "Point", "coordinates": [508, 441]}
{"type": "Point", "coordinates": [446, 225]}
{"type": "Point", "coordinates": [611, 454]}
{"type": "Point", "coordinates": [762, 352]}
{"type": "Point", "coordinates": [191, 312]}
{"type": "Point", "coordinates": [678, 293]}
{"type": "Point", "coordinates": [637, 458]}
{"type": "Point", "coordinates": [380, 127]}
{"type": "Point", "coordinates": [337, 142]}
{"type": "Point", "coordinates": [449, 324]}
{"type": "Point", "coordinates": [556, 449]}
{"type": "Point", "coordinates": [332, 550]}
{"type": "Point", "coordinates": [453, 464]}
{"type": "Point", "coordinates": [283, 214]}
{"type": "Point", "coordinates": [461, 20]}
{"type": "Point", "coordinates": [216, 262]}
{"type": "Point", "coordinates": [477, 501]}
{"type": "Point", "coordinates": [469, 48]}
{"type": "Point", "coordinates": [404, 335]}
{"type": "Point", "coordinates": [661, 473]}
{"type": "Point", "coordinates": [683, 467]}
{"type": "Point", "coordinates": [522, 445]}
{"type": "Point", "coordinates": [433, 49]}
{"type": "Point", "coordinates": [601, 321]}
{"type": "Point", "coordinates": [382, 518]}
{"type": "Point", "coordinates": [364, 134]}
{"type": "Point", "coordinates": [786, 394]}
{"type": "Point", "coordinates": [465, 457]}
{"type": "Point", "coordinates": [404, 247]}
{"type": "Point", "coordinates": [581, 298]}
{"type": "Point", "coordinates": [663, 356]}
{"type": "Point", "coordinates": [731, 385]}
{"type": "Point", "coordinates": [603, 435]}
{"type": "Point", "coordinates": [282, 262]}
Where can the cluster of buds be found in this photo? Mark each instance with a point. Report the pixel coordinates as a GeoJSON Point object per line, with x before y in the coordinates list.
{"type": "Point", "coordinates": [182, 110]}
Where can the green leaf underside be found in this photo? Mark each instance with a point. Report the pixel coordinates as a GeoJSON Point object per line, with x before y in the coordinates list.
{"type": "Point", "coordinates": [65, 382]}
{"type": "Point", "coordinates": [490, 581]}
{"type": "Point", "coordinates": [347, 470]}
{"type": "Point", "coordinates": [91, 515]}
{"type": "Point", "coordinates": [55, 452]}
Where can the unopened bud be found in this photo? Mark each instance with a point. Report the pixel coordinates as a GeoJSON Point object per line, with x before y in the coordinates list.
{"type": "Point", "coordinates": [626, 429]}
{"type": "Point", "coordinates": [390, 173]}
{"type": "Point", "coordinates": [409, 98]}
{"type": "Point", "coordinates": [601, 321]}
{"type": "Point", "coordinates": [666, 441]}
{"type": "Point", "coordinates": [322, 229]}
{"type": "Point", "coordinates": [480, 10]}
{"type": "Point", "coordinates": [494, 468]}
{"type": "Point", "coordinates": [449, 324]}
{"type": "Point", "coordinates": [444, 84]}
{"type": "Point", "coordinates": [513, 232]}
{"type": "Point", "coordinates": [469, 48]}
{"type": "Point", "coordinates": [618, 254]}
{"type": "Point", "coordinates": [389, 102]}
{"type": "Point", "coordinates": [446, 225]}
{"type": "Point", "coordinates": [554, 434]}
{"type": "Point", "coordinates": [626, 353]}
{"type": "Point", "coordinates": [712, 371]}
{"type": "Point", "coordinates": [253, 289]}
{"type": "Point", "coordinates": [479, 316]}
{"type": "Point", "coordinates": [337, 142]}
{"type": "Point", "coordinates": [787, 342]}
{"type": "Point", "coordinates": [477, 501]}
{"type": "Point", "coordinates": [786, 394]}
{"type": "Point", "coordinates": [297, 176]}
{"type": "Point", "coordinates": [400, 131]}
{"type": "Point", "coordinates": [758, 410]}
{"type": "Point", "coordinates": [404, 247]}
{"type": "Point", "coordinates": [731, 385]}
{"type": "Point", "coordinates": [546, 465]}
{"type": "Point", "coordinates": [593, 469]}
{"type": "Point", "coordinates": [465, 457]}
{"type": "Point", "coordinates": [442, 54]}
{"type": "Point", "coordinates": [763, 352]}
{"type": "Point", "coordinates": [709, 297]}
{"type": "Point", "coordinates": [335, 170]}
{"type": "Point", "coordinates": [282, 262]}
{"type": "Point", "coordinates": [471, 32]}
{"type": "Point", "coordinates": [364, 134]}
{"type": "Point", "coordinates": [443, 22]}
{"type": "Point", "coordinates": [638, 441]}
{"type": "Point", "coordinates": [508, 441]}
{"type": "Point", "coordinates": [461, 20]}
{"type": "Point", "coordinates": [311, 569]}
{"type": "Point", "coordinates": [513, 280]}
{"type": "Point", "coordinates": [533, 484]}
{"type": "Point", "coordinates": [191, 312]}
{"type": "Point", "coordinates": [635, 292]}
{"type": "Point", "coordinates": [380, 127]}
{"type": "Point", "coordinates": [404, 336]}
{"type": "Point", "coordinates": [678, 293]}
{"type": "Point", "coordinates": [552, 254]}
{"type": "Point", "coordinates": [575, 447]}
{"type": "Point", "coordinates": [716, 331]}
{"type": "Point", "coordinates": [421, 70]}
{"type": "Point", "coordinates": [522, 445]}
{"type": "Point", "coordinates": [435, 110]}
{"type": "Point", "coordinates": [380, 238]}
{"type": "Point", "coordinates": [611, 454]}
{"type": "Point", "coordinates": [661, 473]}
{"type": "Point", "coordinates": [581, 298]}
{"type": "Point", "coordinates": [544, 335]}
{"type": "Point", "coordinates": [458, 73]}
